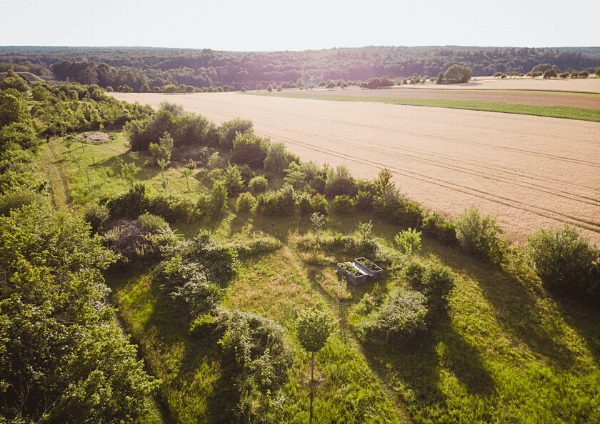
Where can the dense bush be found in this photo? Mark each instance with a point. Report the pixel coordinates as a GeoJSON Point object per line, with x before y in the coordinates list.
{"type": "Point", "coordinates": [565, 262]}
{"type": "Point", "coordinates": [319, 204]}
{"type": "Point", "coordinates": [436, 282]}
{"type": "Point", "coordinates": [278, 158]}
{"type": "Point", "coordinates": [195, 130]}
{"type": "Point", "coordinates": [154, 224]}
{"type": "Point", "coordinates": [364, 201]}
{"type": "Point", "coordinates": [478, 235]}
{"type": "Point", "coordinates": [186, 283]}
{"type": "Point", "coordinates": [339, 182]}
{"type": "Point", "coordinates": [245, 203]}
{"type": "Point", "coordinates": [258, 184]}
{"type": "Point", "coordinates": [303, 202]}
{"type": "Point", "coordinates": [257, 360]}
{"type": "Point", "coordinates": [397, 210]}
{"type": "Point", "coordinates": [233, 181]}
{"type": "Point", "coordinates": [318, 184]}
{"type": "Point", "coordinates": [436, 225]}
{"type": "Point", "coordinates": [342, 205]}
{"type": "Point", "coordinates": [408, 241]}
{"type": "Point", "coordinates": [278, 203]}
{"type": "Point", "coordinates": [96, 215]}
{"type": "Point", "coordinates": [129, 205]}
{"type": "Point", "coordinates": [16, 199]}
{"type": "Point", "coordinates": [229, 130]}
{"type": "Point", "coordinates": [400, 320]}
{"type": "Point", "coordinates": [249, 149]}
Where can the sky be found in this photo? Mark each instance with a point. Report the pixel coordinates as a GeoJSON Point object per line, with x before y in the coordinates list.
{"type": "Point", "coordinates": [269, 25]}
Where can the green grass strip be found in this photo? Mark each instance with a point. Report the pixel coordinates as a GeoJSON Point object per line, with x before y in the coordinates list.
{"type": "Point", "coordinates": [565, 112]}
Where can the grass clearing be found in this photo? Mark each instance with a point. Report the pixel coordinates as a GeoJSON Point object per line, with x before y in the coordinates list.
{"type": "Point", "coordinates": [565, 112]}
{"type": "Point", "coordinates": [506, 351]}
{"type": "Point", "coordinates": [84, 172]}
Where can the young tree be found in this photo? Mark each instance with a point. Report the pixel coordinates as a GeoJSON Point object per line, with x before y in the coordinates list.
{"type": "Point", "coordinates": [162, 150]}
{"type": "Point", "coordinates": [129, 171]}
{"type": "Point", "coordinates": [313, 328]}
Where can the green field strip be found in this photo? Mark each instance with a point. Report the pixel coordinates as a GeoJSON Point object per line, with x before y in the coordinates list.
{"type": "Point", "coordinates": [502, 90]}
{"type": "Point", "coordinates": [565, 112]}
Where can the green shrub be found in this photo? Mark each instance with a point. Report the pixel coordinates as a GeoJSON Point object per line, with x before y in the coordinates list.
{"type": "Point", "coordinates": [187, 284]}
{"type": "Point", "coordinates": [218, 197]}
{"type": "Point", "coordinates": [229, 131]}
{"type": "Point", "coordinates": [279, 203]}
{"type": "Point", "coordinates": [303, 201]}
{"type": "Point", "coordinates": [258, 184]}
{"type": "Point", "coordinates": [257, 360]}
{"type": "Point", "coordinates": [203, 325]}
{"type": "Point", "coordinates": [408, 241]}
{"type": "Point", "coordinates": [96, 215]}
{"type": "Point", "coordinates": [318, 184]}
{"type": "Point", "coordinates": [245, 203]}
{"type": "Point", "coordinates": [130, 204]}
{"type": "Point", "coordinates": [278, 158]}
{"type": "Point", "coordinates": [478, 236]}
{"type": "Point", "coordinates": [339, 182]}
{"type": "Point", "coordinates": [319, 204]}
{"type": "Point", "coordinates": [364, 201]}
{"type": "Point", "coordinates": [436, 225]}
{"type": "Point", "coordinates": [400, 320]}
{"type": "Point", "coordinates": [249, 149]}
{"type": "Point", "coordinates": [394, 209]}
{"type": "Point", "coordinates": [232, 178]}
{"type": "Point", "coordinates": [152, 223]}
{"type": "Point", "coordinates": [295, 176]}
{"type": "Point", "coordinates": [565, 262]}
{"type": "Point", "coordinates": [436, 283]}
{"type": "Point", "coordinates": [16, 199]}
{"type": "Point", "coordinates": [342, 205]}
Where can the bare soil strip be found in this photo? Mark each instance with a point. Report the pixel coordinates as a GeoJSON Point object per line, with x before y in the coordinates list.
{"type": "Point", "coordinates": [530, 172]}
{"type": "Point", "coordinates": [531, 98]}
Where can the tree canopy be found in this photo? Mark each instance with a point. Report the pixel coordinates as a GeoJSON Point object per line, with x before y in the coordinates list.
{"type": "Point", "coordinates": [61, 356]}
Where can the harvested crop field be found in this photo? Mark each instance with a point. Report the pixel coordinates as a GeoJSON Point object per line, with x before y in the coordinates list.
{"type": "Point", "coordinates": [531, 98]}
{"type": "Point", "coordinates": [530, 172]}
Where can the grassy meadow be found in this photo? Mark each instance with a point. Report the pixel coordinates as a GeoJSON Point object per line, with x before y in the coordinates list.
{"type": "Point", "coordinates": [505, 352]}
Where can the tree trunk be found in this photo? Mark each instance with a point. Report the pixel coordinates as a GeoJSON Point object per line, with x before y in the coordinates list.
{"type": "Point", "coordinates": [312, 366]}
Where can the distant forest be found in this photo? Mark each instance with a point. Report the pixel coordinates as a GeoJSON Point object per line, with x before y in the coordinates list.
{"type": "Point", "coordinates": [142, 69]}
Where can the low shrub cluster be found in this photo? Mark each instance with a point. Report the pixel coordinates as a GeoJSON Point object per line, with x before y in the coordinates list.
{"type": "Point", "coordinates": [257, 358]}
{"type": "Point", "coordinates": [402, 319]}
{"type": "Point", "coordinates": [565, 262]}
{"type": "Point", "coordinates": [136, 202]}
{"type": "Point", "coordinates": [435, 282]}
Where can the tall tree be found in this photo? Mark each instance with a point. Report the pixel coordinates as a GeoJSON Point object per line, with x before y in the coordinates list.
{"type": "Point", "coordinates": [313, 328]}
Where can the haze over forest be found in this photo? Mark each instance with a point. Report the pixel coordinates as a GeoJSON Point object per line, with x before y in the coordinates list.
{"type": "Point", "coordinates": [155, 67]}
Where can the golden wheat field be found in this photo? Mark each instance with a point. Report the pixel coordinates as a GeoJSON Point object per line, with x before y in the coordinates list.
{"type": "Point", "coordinates": [530, 172]}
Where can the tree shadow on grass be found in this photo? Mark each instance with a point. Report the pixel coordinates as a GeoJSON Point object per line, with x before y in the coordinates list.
{"type": "Point", "coordinates": [415, 371]}
{"type": "Point", "coordinates": [519, 304]}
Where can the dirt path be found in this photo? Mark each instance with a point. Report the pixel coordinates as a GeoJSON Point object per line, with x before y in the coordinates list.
{"type": "Point", "coordinates": [60, 197]}
{"type": "Point", "coordinates": [530, 172]}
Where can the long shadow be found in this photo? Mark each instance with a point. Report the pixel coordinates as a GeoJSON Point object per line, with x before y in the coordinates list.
{"type": "Point", "coordinates": [519, 306]}
{"type": "Point", "coordinates": [584, 318]}
{"type": "Point", "coordinates": [418, 368]}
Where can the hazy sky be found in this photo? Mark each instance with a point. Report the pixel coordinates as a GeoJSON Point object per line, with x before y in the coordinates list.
{"type": "Point", "coordinates": [242, 25]}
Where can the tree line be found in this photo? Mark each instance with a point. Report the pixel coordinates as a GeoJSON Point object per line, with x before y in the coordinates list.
{"type": "Point", "coordinates": [205, 68]}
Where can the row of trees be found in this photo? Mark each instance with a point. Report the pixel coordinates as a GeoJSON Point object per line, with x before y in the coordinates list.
{"type": "Point", "coordinates": [205, 68]}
